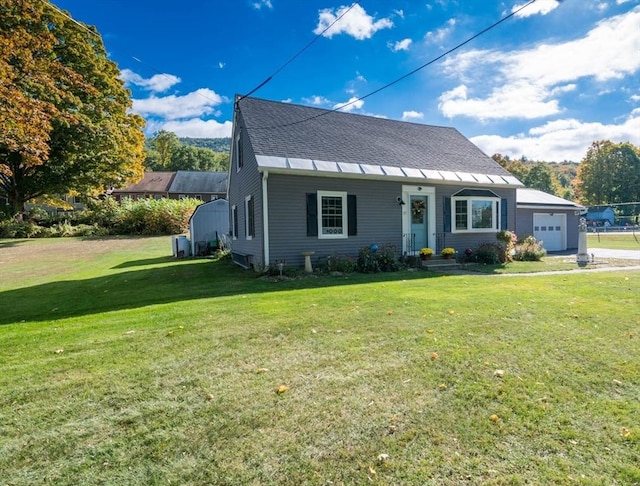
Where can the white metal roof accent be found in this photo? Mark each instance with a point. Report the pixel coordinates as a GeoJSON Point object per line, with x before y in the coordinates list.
{"type": "Point", "coordinates": [449, 176]}
{"type": "Point", "coordinates": [301, 164]}
{"type": "Point", "coordinates": [270, 161]}
{"type": "Point", "coordinates": [431, 174]}
{"type": "Point", "coordinates": [416, 173]}
{"type": "Point", "coordinates": [308, 165]}
{"type": "Point", "coordinates": [466, 177]}
{"type": "Point", "coordinates": [372, 169]}
{"type": "Point", "coordinates": [393, 171]}
{"type": "Point", "coordinates": [483, 179]}
{"type": "Point", "coordinates": [350, 168]}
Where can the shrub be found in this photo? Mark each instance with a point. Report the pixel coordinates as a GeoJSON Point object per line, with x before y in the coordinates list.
{"type": "Point", "coordinates": [340, 263]}
{"type": "Point", "coordinates": [19, 229]}
{"type": "Point", "coordinates": [487, 254]}
{"type": "Point", "coordinates": [529, 249]}
{"type": "Point", "coordinates": [383, 260]}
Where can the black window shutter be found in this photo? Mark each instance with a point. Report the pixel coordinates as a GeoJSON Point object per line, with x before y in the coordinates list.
{"type": "Point", "coordinates": [503, 214]}
{"type": "Point", "coordinates": [312, 214]}
{"type": "Point", "coordinates": [447, 215]}
{"type": "Point", "coordinates": [352, 215]}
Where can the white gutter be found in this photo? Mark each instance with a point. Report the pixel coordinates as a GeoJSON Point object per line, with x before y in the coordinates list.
{"type": "Point", "coordinates": [265, 217]}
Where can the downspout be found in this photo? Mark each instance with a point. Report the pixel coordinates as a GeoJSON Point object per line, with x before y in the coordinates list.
{"type": "Point", "coordinates": [265, 218]}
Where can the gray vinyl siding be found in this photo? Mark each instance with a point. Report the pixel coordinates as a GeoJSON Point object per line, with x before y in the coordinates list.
{"type": "Point", "coordinates": [378, 213]}
{"type": "Point", "coordinates": [379, 217]}
{"type": "Point", "coordinates": [524, 223]}
{"type": "Point", "coordinates": [462, 241]}
{"type": "Point", "coordinates": [247, 181]}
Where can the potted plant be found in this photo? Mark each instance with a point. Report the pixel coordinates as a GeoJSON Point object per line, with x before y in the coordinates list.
{"type": "Point", "coordinates": [425, 253]}
{"type": "Point", "coordinates": [448, 252]}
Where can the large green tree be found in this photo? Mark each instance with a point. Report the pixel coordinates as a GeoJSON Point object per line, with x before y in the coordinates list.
{"type": "Point", "coordinates": [609, 173]}
{"type": "Point", "coordinates": [64, 120]}
{"type": "Point", "coordinates": [165, 151]}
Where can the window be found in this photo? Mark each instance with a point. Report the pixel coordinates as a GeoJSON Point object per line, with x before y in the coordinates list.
{"type": "Point", "coordinates": [249, 220]}
{"type": "Point", "coordinates": [332, 217]}
{"type": "Point", "coordinates": [239, 154]}
{"type": "Point", "coordinates": [234, 219]}
{"type": "Point", "coordinates": [479, 214]}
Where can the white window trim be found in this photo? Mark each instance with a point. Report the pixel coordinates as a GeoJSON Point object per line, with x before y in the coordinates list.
{"type": "Point", "coordinates": [238, 153]}
{"type": "Point", "coordinates": [495, 205]}
{"type": "Point", "coordinates": [345, 221]}
{"type": "Point", "coordinates": [246, 218]}
{"type": "Point", "coordinates": [234, 218]}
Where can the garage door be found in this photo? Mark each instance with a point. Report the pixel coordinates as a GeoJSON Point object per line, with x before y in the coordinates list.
{"type": "Point", "coordinates": [551, 229]}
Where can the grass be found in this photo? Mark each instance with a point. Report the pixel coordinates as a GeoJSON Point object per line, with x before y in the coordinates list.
{"type": "Point", "coordinates": [618, 241]}
{"type": "Point", "coordinates": [123, 366]}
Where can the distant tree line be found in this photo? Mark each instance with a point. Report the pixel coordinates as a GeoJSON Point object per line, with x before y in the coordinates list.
{"type": "Point", "coordinates": [166, 152]}
{"type": "Point", "coordinates": [608, 174]}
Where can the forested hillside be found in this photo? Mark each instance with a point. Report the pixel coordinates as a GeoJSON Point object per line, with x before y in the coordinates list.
{"type": "Point", "coordinates": [215, 144]}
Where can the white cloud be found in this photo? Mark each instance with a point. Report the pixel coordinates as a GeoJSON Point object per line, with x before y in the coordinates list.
{"type": "Point", "coordinates": [355, 22]}
{"type": "Point", "coordinates": [221, 65]}
{"type": "Point", "coordinates": [542, 7]}
{"type": "Point", "coordinates": [526, 83]}
{"type": "Point", "coordinates": [317, 101]}
{"type": "Point", "coordinates": [197, 103]}
{"type": "Point", "coordinates": [440, 35]}
{"type": "Point", "coordinates": [402, 45]}
{"type": "Point", "coordinates": [560, 140]}
{"type": "Point", "coordinates": [412, 115]}
{"type": "Point", "coordinates": [353, 104]}
{"type": "Point", "coordinates": [157, 83]}
{"type": "Point", "coordinates": [194, 128]}
{"type": "Point", "coordinates": [262, 3]}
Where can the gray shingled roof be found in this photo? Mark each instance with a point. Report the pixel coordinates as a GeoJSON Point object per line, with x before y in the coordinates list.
{"type": "Point", "coordinates": [151, 182]}
{"type": "Point", "coordinates": [283, 130]}
{"type": "Point", "coordinates": [190, 181]}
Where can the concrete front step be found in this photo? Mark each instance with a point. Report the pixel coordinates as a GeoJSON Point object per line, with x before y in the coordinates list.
{"type": "Point", "coordinates": [440, 264]}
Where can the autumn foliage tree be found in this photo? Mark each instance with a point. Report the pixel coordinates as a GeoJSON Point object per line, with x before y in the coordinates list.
{"type": "Point", "coordinates": [64, 120]}
{"type": "Point", "coordinates": [609, 173]}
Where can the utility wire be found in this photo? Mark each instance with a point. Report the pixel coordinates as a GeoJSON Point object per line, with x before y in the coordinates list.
{"type": "Point", "coordinates": [411, 73]}
{"type": "Point", "coordinates": [299, 52]}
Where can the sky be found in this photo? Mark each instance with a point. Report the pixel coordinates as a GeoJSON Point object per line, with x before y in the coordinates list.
{"type": "Point", "coordinates": [544, 84]}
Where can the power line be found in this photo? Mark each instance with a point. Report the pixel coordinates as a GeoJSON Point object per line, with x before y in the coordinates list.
{"type": "Point", "coordinates": [411, 73]}
{"type": "Point", "coordinates": [291, 59]}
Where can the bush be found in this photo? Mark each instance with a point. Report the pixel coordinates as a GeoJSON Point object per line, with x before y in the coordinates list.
{"type": "Point", "coordinates": [529, 250]}
{"type": "Point", "coordinates": [487, 254]}
{"type": "Point", "coordinates": [382, 260]}
{"type": "Point", "coordinates": [19, 229]}
{"type": "Point", "coordinates": [341, 264]}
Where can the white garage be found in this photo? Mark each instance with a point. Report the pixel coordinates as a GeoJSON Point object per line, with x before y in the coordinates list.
{"type": "Point", "coordinates": [551, 229]}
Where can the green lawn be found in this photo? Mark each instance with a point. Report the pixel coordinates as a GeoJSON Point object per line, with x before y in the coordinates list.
{"type": "Point", "coordinates": [120, 365]}
{"type": "Point", "coordinates": [617, 241]}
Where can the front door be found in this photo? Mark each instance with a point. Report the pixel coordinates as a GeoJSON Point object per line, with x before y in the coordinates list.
{"type": "Point", "coordinates": [419, 223]}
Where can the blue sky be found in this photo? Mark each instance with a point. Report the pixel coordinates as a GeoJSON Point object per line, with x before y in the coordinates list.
{"type": "Point", "coordinates": [544, 84]}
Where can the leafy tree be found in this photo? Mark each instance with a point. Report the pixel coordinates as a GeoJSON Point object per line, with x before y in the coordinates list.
{"type": "Point", "coordinates": [164, 144]}
{"type": "Point", "coordinates": [540, 177]}
{"type": "Point", "coordinates": [609, 173]}
{"type": "Point", "coordinates": [165, 151]}
{"type": "Point", "coordinates": [63, 109]}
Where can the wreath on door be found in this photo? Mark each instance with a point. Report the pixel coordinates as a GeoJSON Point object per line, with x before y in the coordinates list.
{"type": "Point", "coordinates": [418, 207]}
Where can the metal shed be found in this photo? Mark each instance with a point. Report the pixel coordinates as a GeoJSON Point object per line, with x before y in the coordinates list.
{"type": "Point", "coordinates": [208, 224]}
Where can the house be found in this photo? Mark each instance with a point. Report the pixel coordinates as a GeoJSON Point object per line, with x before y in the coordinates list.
{"type": "Point", "coordinates": [207, 186]}
{"type": "Point", "coordinates": [550, 219]}
{"type": "Point", "coordinates": [303, 179]}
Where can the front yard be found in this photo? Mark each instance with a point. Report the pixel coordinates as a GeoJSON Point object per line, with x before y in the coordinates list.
{"type": "Point", "coordinates": [121, 365]}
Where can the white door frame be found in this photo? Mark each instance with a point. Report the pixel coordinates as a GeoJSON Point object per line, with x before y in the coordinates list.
{"type": "Point", "coordinates": [430, 193]}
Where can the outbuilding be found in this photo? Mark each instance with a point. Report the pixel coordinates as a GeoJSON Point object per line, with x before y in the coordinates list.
{"type": "Point", "coordinates": [208, 225]}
